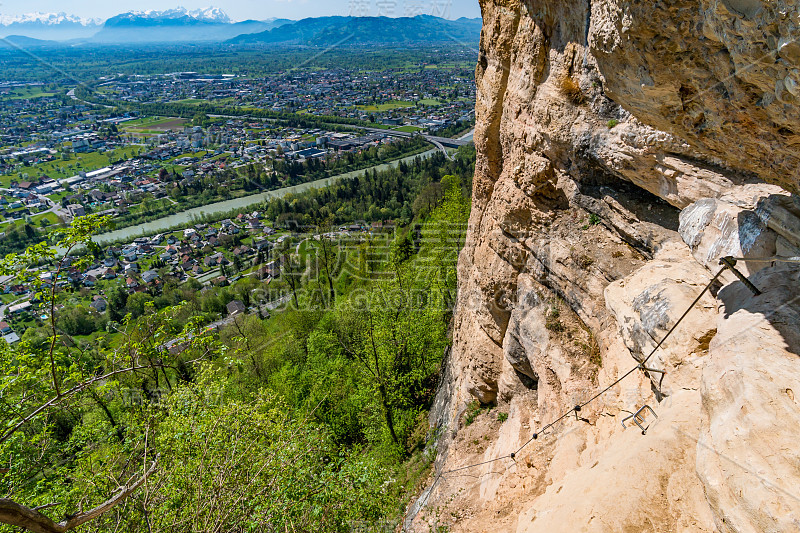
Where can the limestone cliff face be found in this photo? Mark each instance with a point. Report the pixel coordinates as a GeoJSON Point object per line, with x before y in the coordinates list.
{"type": "Point", "coordinates": [624, 148]}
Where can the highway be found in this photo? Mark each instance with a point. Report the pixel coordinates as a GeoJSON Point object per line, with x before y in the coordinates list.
{"type": "Point", "coordinates": [440, 142]}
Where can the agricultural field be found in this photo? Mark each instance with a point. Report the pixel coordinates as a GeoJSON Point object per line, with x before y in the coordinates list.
{"type": "Point", "coordinates": [24, 93]}
{"type": "Point", "coordinates": [153, 125]}
{"type": "Point", "coordinates": [50, 218]}
{"type": "Point", "coordinates": [388, 106]}
{"type": "Point", "coordinates": [64, 168]}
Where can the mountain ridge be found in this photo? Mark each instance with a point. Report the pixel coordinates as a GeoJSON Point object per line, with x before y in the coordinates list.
{"type": "Point", "coordinates": [176, 27]}
{"type": "Point", "coordinates": [214, 25]}
{"type": "Point", "coordinates": [326, 31]}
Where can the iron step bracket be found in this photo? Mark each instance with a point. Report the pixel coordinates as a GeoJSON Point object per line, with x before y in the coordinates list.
{"type": "Point", "coordinates": [730, 263]}
{"type": "Point", "coordinates": [639, 418]}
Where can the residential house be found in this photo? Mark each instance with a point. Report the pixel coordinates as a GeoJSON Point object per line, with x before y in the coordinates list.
{"type": "Point", "coordinates": [76, 210]}
{"type": "Point", "coordinates": [19, 290]}
{"type": "Point", "coordinates": [19, 308]}
{"type": "Point", "coordinates": [213, 260]}
{"type": "Point", "coordinates": [74, 276]}
{"type": "Point", "coordinates": [236, 307]}
{"type": "Point", "coordinates": [262, 245]}
{"type": "Point", "coordinates": [176, 346]}
{"type": "Point", "coordinates": [270, 270]}
{"type": "Point", "coordinates": [99, 304]}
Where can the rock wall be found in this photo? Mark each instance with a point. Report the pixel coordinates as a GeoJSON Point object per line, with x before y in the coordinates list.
{"type": "Point", "coordinates": [624, 147]}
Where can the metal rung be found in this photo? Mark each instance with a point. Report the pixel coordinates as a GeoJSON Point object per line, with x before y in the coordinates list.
{"type": "Point", "coordinates": [730, 264]}
{"type": "Point", "coordinates": [639, 418]}
{"type": "Point", "coordinates": [776, 259]}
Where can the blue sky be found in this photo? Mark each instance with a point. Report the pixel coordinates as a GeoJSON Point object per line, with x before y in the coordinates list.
{"type": "Point", "coordinates": [252, 9]}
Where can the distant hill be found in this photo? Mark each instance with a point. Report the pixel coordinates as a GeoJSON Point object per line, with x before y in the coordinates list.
{"type": "Point", "coordinates": [20, 41]}
{"type": "Point", "coordinates": [178, 25]}
{"type": "Point", "coordinates": [327, 31]}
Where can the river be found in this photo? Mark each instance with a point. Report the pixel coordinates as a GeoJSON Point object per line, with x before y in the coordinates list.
{"type": "Point", "coordinates": [184, 218]}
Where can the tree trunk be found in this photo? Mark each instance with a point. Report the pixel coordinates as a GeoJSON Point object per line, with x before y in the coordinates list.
{"type": "Point", "coordinates": [110, 416]}
{"type": "Point", "coordinates": [388, 414]}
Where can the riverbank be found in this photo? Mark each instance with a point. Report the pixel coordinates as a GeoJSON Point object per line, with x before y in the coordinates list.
{"type": "Point", "coordinates": [206, 212]}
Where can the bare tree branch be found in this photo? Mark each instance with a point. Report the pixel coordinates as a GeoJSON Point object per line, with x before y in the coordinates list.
{"type": "Point", "coordinates": [14, 514]}
{"type": "Point", "coordinates": [73, 390]}
{"type": "Point", "coordinates": [122, 493]}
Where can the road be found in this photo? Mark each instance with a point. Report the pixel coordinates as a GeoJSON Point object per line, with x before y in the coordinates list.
{"type": "Point", "coordinates": [71, 94]}
{"type": "Point", "coordinates": [54, 208]}
{"type": "Point", "coordinates": [439, 142]}
{"type": "Point", "coordinates": [6, 306]}
{"type": "Point", "coordinates": [441, 147]}
{"type": "Point", "coordinates": [269, 306]}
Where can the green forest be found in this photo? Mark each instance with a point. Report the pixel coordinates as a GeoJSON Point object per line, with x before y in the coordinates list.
{"type": "Point", "coordinates": [310, 417]}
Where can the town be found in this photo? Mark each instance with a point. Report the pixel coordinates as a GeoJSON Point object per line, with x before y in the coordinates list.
{"type": "Point", "coordinates": [65, 155]}
{"type": "Point", "coordinates": [205, 254]}
{"type": "Point", "coordinates": [416, 96]}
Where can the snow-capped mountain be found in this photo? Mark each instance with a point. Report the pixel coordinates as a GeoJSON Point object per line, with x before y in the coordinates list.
{"type": "Point", "coordinates": [171, 25]}
{"type": "Point", "coordinates": [208, 14]}
{"type": "Point", "coordinates": [49, 26]}
{"type": "Point", "coordinates": [213, 14]}
{"type": "Point", "coordinates": [48, 19]}
{"type": "Point", "coordinates": [179, 24]}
